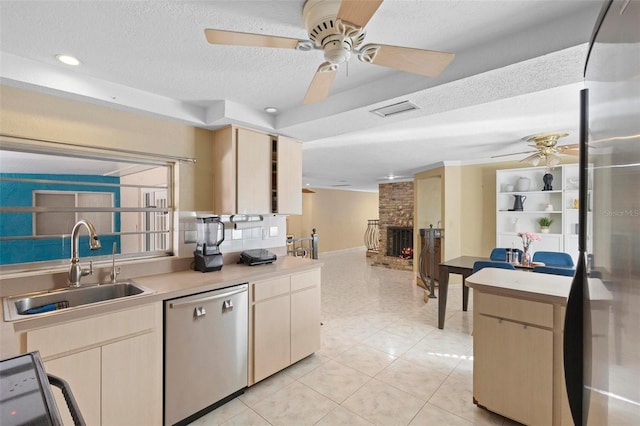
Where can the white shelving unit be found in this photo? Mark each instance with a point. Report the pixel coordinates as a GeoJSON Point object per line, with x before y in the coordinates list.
{"type": "Point", "coordinates": [563, 235]}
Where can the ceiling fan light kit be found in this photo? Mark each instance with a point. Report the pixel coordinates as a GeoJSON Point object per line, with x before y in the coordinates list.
{"type": "Point", "coordinates": [547, 149]}
{"type": "Point", "coordinates": [338, 29]}
{"type": "Point", "coordinates": [546, 144]}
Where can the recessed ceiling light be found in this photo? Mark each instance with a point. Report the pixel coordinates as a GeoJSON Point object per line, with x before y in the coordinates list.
{"type": "Point", "coordinates": [68, 59]}
{"type": "Point", "coordinates": [271, 110]}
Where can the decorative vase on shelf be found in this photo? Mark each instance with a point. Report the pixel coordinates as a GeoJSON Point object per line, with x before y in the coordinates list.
{"type": "Point", "coordinates": [523, 184]}
{"type": "Point", "coordinates": [544, 229]}
{"type": "Point", "coordinates": [547, 179]}
{"type": "Point", "coordinates": [526, 257]}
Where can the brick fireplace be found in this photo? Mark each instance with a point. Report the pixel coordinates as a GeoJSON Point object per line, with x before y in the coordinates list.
{"type": "Point", "coordinates": [395, 213]}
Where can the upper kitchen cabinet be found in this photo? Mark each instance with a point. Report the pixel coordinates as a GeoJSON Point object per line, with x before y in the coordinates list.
{"type": "Point", "coordinates": [287, 167]}
{"type": "Point", "coordinates": [256, 173]}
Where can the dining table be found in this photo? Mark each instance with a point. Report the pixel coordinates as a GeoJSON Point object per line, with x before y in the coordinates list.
{"type": "Point", "coordinates": [462, 265]}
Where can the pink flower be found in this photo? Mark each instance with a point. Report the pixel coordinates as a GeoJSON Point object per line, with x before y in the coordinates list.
{"type": "Point", "coordinates": [528, 238]}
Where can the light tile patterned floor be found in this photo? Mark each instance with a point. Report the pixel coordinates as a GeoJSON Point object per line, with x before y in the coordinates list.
{"type": "Point", "coordinates": [383, 360]}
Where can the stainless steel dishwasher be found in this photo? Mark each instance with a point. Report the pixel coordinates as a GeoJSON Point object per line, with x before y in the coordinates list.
{"type": "Point", "coordinates": [205, 351]}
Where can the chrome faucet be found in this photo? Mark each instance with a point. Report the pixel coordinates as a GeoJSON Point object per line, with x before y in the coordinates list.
{"type": "Point", "coordinates": [76, 271]}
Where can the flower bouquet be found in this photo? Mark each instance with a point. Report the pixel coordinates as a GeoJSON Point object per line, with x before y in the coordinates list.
{"type": "Point", "coordinates": [527, 239]}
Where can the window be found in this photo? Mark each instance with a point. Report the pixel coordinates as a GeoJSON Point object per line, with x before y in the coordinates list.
{"type": "Point", "coordinates": [51, 223]}
{"type": "Point", "coordinates": [43, 195]}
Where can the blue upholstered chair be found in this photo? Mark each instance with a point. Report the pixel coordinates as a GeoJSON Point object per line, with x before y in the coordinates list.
{"type": "Point", "coordinates": [553, 258]}
{"type": "Point", "coordinates": [567, 272]}
{"type": "Point", "coordinates": [481, 264]}
{"type": "Point", "coordinates": [501, 254]}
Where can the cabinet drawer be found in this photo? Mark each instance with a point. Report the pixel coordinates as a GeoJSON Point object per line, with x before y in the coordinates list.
{"type": "Point", "coordinates": [266, 289]}
{"type": "Point", "coordinates": [526, 311]}
{"type": "Point", "coordinates": [304, 280]}
{"type": "Point", "coordinates": [93, 331]}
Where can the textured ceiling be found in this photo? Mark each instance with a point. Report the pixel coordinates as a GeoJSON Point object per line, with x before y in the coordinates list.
{"type": "Point", "coordinates": [517, 71]}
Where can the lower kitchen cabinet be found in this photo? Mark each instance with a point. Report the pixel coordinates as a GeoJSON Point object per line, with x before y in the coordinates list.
{"type": "Point", "coordinates": [112, 362]}
{"type": "Point", "coordinates": [130, 381]}
{"type": "Point", "coordinates": [271, 335]}
{"type": "Point", "coordinates": [284, 322]}
{"type": "Point", "coordinates": [517, 359]}
{"type": "Point", "coordinates": [82, 371]}
{"type": "Point", "coordinates": [513, 370]}
{"type": "Point", "coordinates": [305, 315]}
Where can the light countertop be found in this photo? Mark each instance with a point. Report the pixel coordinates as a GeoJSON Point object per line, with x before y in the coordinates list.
{"type": "Point", "coordinates": [532, 286]}
{"type": "Point", "coordinates": [523, 284]}
{"type": "Point", "coordinates": [166, 286]}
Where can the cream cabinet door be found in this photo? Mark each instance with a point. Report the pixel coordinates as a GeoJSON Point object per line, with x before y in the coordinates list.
{"type": "Point", "coordinates": [82, 372]}
{"type": "Point", "coordinates": [271, 336]}
{"type": "Point", "coordinates": [289, 166]}
{"type": "Point", "coordinates": [132, 381]}
{"type": "Point", "coordinates": [305, 314]}
{"type": "Point", "coordinates": [513, 369]}
{"type": "Point", "coordinates": [253, 172]}
{"type": "Point", "coordinates": [305, 322]}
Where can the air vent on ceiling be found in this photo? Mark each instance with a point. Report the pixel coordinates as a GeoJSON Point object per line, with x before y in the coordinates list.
{"type": "Point", "coordinates": [398, 108]}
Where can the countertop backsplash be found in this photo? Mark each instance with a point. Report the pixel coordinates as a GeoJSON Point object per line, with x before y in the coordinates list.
{"type": "Point", "coordinates": [268, 233]}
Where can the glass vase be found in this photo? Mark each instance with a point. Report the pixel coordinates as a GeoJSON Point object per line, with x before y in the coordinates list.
{"type": "Point", "coordinates": [526, 257]}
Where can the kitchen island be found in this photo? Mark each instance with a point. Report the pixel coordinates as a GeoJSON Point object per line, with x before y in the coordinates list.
{"type": "Point", "coordinates": [518, 321]}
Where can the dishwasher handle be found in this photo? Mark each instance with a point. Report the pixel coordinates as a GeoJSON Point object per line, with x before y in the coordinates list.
{"type": "Point", "coordinates": [207, 298]}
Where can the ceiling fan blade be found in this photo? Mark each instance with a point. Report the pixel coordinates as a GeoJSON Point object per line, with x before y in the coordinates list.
{"type": "Point", "coordinates": [531, 157]}
{"type": "Point", "coordinates": [563, 148]}
{"type": "Point", "coordinates": [358, 12]}
{"type": "Point", "coordinates": [417, 61]}
{"type": "Point", "coordinates": [321, 83]}
{"type": "Point", "coordinates": [513, 153]}
{"type": "Point", "coordinates": [234, 38]}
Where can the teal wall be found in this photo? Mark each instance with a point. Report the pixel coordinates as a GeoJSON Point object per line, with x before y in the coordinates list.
{"type": "Point", "coordinates": [20, 194]}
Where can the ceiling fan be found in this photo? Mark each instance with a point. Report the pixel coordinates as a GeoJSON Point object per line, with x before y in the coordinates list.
{"type": "Point", "coordinates": [338, 29]}
{"type": "Point", "coordinates": [547, 148]}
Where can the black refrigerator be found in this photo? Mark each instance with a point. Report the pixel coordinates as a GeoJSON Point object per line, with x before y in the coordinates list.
{"type": "Point", "coordinates": [602, 323]}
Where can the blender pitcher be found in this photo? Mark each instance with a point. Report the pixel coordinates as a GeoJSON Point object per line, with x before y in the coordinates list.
{"type": "Point", "coordinates": [210, 234]}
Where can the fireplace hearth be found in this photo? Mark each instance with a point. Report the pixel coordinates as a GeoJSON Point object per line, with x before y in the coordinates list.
{"type": "Point", "coordinates": [395, 213]}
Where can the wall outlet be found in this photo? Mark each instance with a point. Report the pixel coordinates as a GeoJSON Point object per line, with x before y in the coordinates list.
{"type": "Point", "coordinates": [273, 231]}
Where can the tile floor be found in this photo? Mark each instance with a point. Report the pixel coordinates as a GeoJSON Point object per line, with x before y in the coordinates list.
{"type": "Point", "coordinates": [383, 360]}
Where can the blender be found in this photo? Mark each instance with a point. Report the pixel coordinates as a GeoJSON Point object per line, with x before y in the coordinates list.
{"type": "Point", "coordinates": [210, 233]}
